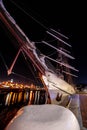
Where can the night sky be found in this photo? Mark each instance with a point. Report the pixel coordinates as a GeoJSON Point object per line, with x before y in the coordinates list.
{"type": "Point", "coordinates": [68, 18]}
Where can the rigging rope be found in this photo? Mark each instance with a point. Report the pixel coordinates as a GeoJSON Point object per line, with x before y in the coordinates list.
{"type": "Point", "coordinates": [30, 68]}
{"type": "Point", "coordinates": [37, 21]}
{"type": "Point", "coordinates": [29, 15]}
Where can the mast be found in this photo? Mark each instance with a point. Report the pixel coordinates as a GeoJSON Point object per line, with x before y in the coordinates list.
{"type": "Point", "coordinates": [63, 68]}
{"type": "Point", "coordinates": [64, 72]}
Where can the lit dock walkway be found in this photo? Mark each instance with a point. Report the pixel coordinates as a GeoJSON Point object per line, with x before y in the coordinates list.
{"type": "Point", "coordinates": [78, 107]}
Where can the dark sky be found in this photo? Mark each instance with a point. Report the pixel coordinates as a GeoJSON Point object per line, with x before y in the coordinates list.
{"type": "Point", "coordinates": [68, 18]}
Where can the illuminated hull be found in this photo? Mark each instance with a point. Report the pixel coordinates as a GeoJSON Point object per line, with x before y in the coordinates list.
{"type": "Point", "coordinates": [57, 86]}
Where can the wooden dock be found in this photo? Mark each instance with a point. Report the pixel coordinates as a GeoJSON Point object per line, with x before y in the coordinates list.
{"type": "Point", "coordinates": [83, 108]}
{"type": "Point", "coordinates": [78, 106]}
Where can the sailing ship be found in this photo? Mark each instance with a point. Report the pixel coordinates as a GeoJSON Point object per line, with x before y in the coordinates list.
{"type": "Point", "coordinates": [47, 72]}
{"type": "Point", "coordinates": [50, 79]}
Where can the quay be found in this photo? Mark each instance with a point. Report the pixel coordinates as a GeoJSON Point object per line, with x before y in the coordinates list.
{"type": "Point", "coordinates": [13, 98]}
